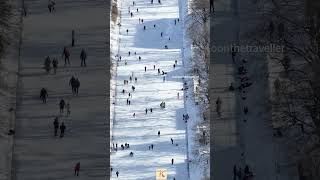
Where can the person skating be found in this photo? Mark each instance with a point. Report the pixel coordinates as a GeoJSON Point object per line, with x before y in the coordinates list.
{"type": "Point", "coordinates": [68, 109]}
{"type": "Point", "coordinates": [56, 126]}
{"type": "Point", "coordinates": [154, 26]}
{"type": "Point", "coordinates": [159, 1]}
{"type": "Point", "coordinates": [72, 38]}
{"type": "Point", "coordinates": [72, 84]}
{"type": "Point", "coordinates": [245, 110]}
{"type": "Point", "coordinates": [146, 111]}
{"type": "Point", "coordinates": [62, 129]}
{"type": "Point", "coordinates": [43, 95]}
{"type": "Point", "coordinates": [77, 86]}
{"type": "Point", "coordinates": [130, 78]}
{"type": "Point", "coordinates": [178, 95]}
{"type": "Point", "coordinates": [137, 10]}
{"type": "Point", "coordinates": [174, 66]}
{"type": "Point", "coordinates": [83, 57]}
{"type": "Point", "coordinates": [50, 5]}
{"type": "Point", "coordinates": [129, 53]}
{"type": "Point", "coordinates": [151, 146]}
{"type": "Point", "coordinates": [62, 105]}
{"type": "Point", "coordinates": [47, 64]}
{"type": "Point", "coordinates": [154, 67]}
{"type": "Point", "coordinates": [176, 62]}
{"type": "Point", "coordinates": [158, 133]}
{"type": "Point", "coordinates": [171, 140]}
{"type": "Point", "coordinates": [164, 78]}
{"type": "Point", "coordinates": [117, 173]}
{"type": "Point", "coordinates": [133, 88]}
{"type": "Point", "coordinates": [134, 115]}
{"type": "Point", "coordinates": [77, 169]}
{"type": "Point", "coordinates": [133, 3]}
{"type": "Point", "coordinates": [66, 55]}
{"type": "Point", "coordinates": [161, 34]}
{"type": "Point", "coordinates": [151, 1]}
{"type": "Point", "coordinates": [139, 58]}
{"type": "Point", "coordinates": [145, 69]}
{"type": "Point", "coordinates": [135, 79]}
{"type": "Point", "coordinates": [175, 22]}
{"type": "Point", "coordinates": [150, 109]}
{"type": "Point", "coordinates": [142, 20]}
{"type": "Point", "coordinates": [131, 14]}
{"type": "Point", "coordinates": [144, 27]}
{"type": "Point", "coordinates": [158, 71]}
{"type": "Point", "coordinates": [172, 161]}
{"type": "Point", "coordinates": [127, 34]}
{"type": "Point", "coordinates": [131, 154]}
{"type": "Point", "coordinates": [55, 65]}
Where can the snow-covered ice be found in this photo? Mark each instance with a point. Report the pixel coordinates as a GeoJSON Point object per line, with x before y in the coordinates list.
{"type": "Point", "coordinates": [141, 131]}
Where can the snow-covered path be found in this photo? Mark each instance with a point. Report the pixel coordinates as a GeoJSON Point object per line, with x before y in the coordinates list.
{"type": "Point", "coordinates": [38, 155]}
{"type": "Point", "coordinates": [142, 130]}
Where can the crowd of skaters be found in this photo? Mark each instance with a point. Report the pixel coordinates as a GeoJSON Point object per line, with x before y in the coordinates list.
{"type": "Point", "coordinates": [52, 63]}
{"type": "Point", "coordinates": [132, 12]}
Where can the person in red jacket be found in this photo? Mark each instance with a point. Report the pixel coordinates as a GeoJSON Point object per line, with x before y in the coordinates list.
{"type": "Point", "coordinates": [77, 169]}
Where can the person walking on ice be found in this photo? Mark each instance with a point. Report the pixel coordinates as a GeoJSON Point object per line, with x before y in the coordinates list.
{"type": "Point", "coordinates": [77, 86]}
{"type": "Point", "coordinates": [55, 65]}
{"type": "Point", "coordinates": [61, 105]}
{"type": "Point", "coordinates": [68, 109]}
{"type": "Point", "coordinates": [72, 38]}
{"type": "Point", "coordinates": [158, 133]}
{"type": "Point", "coordinates": [72, 82]}
{"type": "Point", "coordinates": [43, 95]}
{"type": "Point", "coordinates": [47, 64]}
{"type": "Point", "coordinates": [117, 173]}
{"type": "Point", "coordinates": [77, 169]}
{"type": "Point", "coordinates": [171, 140]}
{"type": "Point", "coordinates": [66, 55]}
{"type": "Point", "coordinates": [144, 27]}
{"type": "Point", "coordinates": [146, 111]}
{"type": "Point", "coordinates": [172, 161]}
{"type": "Point", "coordinates": [83, 57]}
{"type": "Point", "coordinates": [145, 69]}
{"type": "Point", "coordinates": [56, 126]}
{"type": "Point", "coordinates": [127, 34]}
{"type": "Point", "coordinates": [62, 129]}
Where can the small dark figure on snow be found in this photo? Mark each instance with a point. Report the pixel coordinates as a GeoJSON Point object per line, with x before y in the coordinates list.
{"type": "Point", "coordinates": [117, 173]}
{"type": "Point", "coordinates": [72, 38]}
{"type": "Point", "coordinates": [171, 140]}
{"type": "Point", "coordinates": [133, 88]}
{"type": "Point", "coordinates": [245, 110]}
{"type": "Point", "coordinates": [83, 57]}
{"type": "Point", "coordinates": [123, 91]}
{"type": "Point", "coordinates": [175, 22]}
{"type": "Point", "coordinates": [146, 111]}
{"type": "Point", "coordinates": [144, 27]}
{"type": "Point", "coordinates": [43, 95]}
{"type": "Point", "coordinates": [66, 55]}
{"type": "Point", "coordinates": [161, 34]}
{"type": "Point", "coordinates": [134, 114]}
{"type": "Point", "coordinates": [131, 14]}
{"type": "Point", "coordinates": [159, 1]}
{"type": "Point", "coordinates": [145, 69]}
{"type": "Point", "coordinates": [127, 34]}
{"type": "Point", "coordinates": [77, 169]}
{"type": "Point", "coordinates": [158, 71]}
{"type": "Point", "coordinates": [139, 58]}
{"type": "Point", "coordinates": [56, 126]}
{"type": "Point", "coordinates": [61, 105]}
{"type": "Point", "coordinates": [47, 64]}
{"type": "Point", "coordinates": [154, 26]}
{"type": "Point", "coordinates": [137, 10]}
{"type": "Point", "coordinates": [62, 129]}
{"type": "Point", "coordinates": [131, 154]}
{"type": "Point", "coordinates": [231, 88]}
{"type": "Point", "coordinates": [154, 66]}
{"type": "Point", "coordinates": [135, 79]}
{"type": "Point", "coordinates": [55, 65]}
{"type": "Point", "coordinates": [72, 83]}
{"type": "Point", "coordinates": [77, 85]}
{"type": "Point", "coordinates": [158, 133]}
{"type": "Point", "coordinates": [142, 20]}
{"type": "Point", "coordinates": [129, 53]}
{"type": "Point", "coordinates": [151, 146]}
{"type": "Point", "coordinates": [172, 161]}
{"type": "Point", "coordinates": [150, 109]}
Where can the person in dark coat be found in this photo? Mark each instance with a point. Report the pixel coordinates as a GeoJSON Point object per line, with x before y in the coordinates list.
{"type": "Point", "coordinates": [66, 55]}
{"type": "Point", "coordinates": [77, 169]}
{"type": "Point", "coordinates": [62, 129]}
{"type": "Point", "coordinates": [56, 126]}
{"type": "Point", "coordinates": [117, 173]}
{"type": "Point", "coordinates": [72, 82]}
{"type": "Point", "coordinates": [172, 161]}
{"type": "Point", "coordinates": [83, 57]}
{"type": "Point", "coordinates": [55, 65]}
{"type": "Point", "coordinates": [77, 86]}
{"type": "Point", "coordinates": [158, 133]}
{"type": "Point", "coordinates": [61, 105]}
{"type": "Point", "coordinates": [43, 95]}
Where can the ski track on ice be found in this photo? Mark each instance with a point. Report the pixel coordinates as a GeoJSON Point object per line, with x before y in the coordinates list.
{"type": "Point", "coordinates": [141, 131]}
